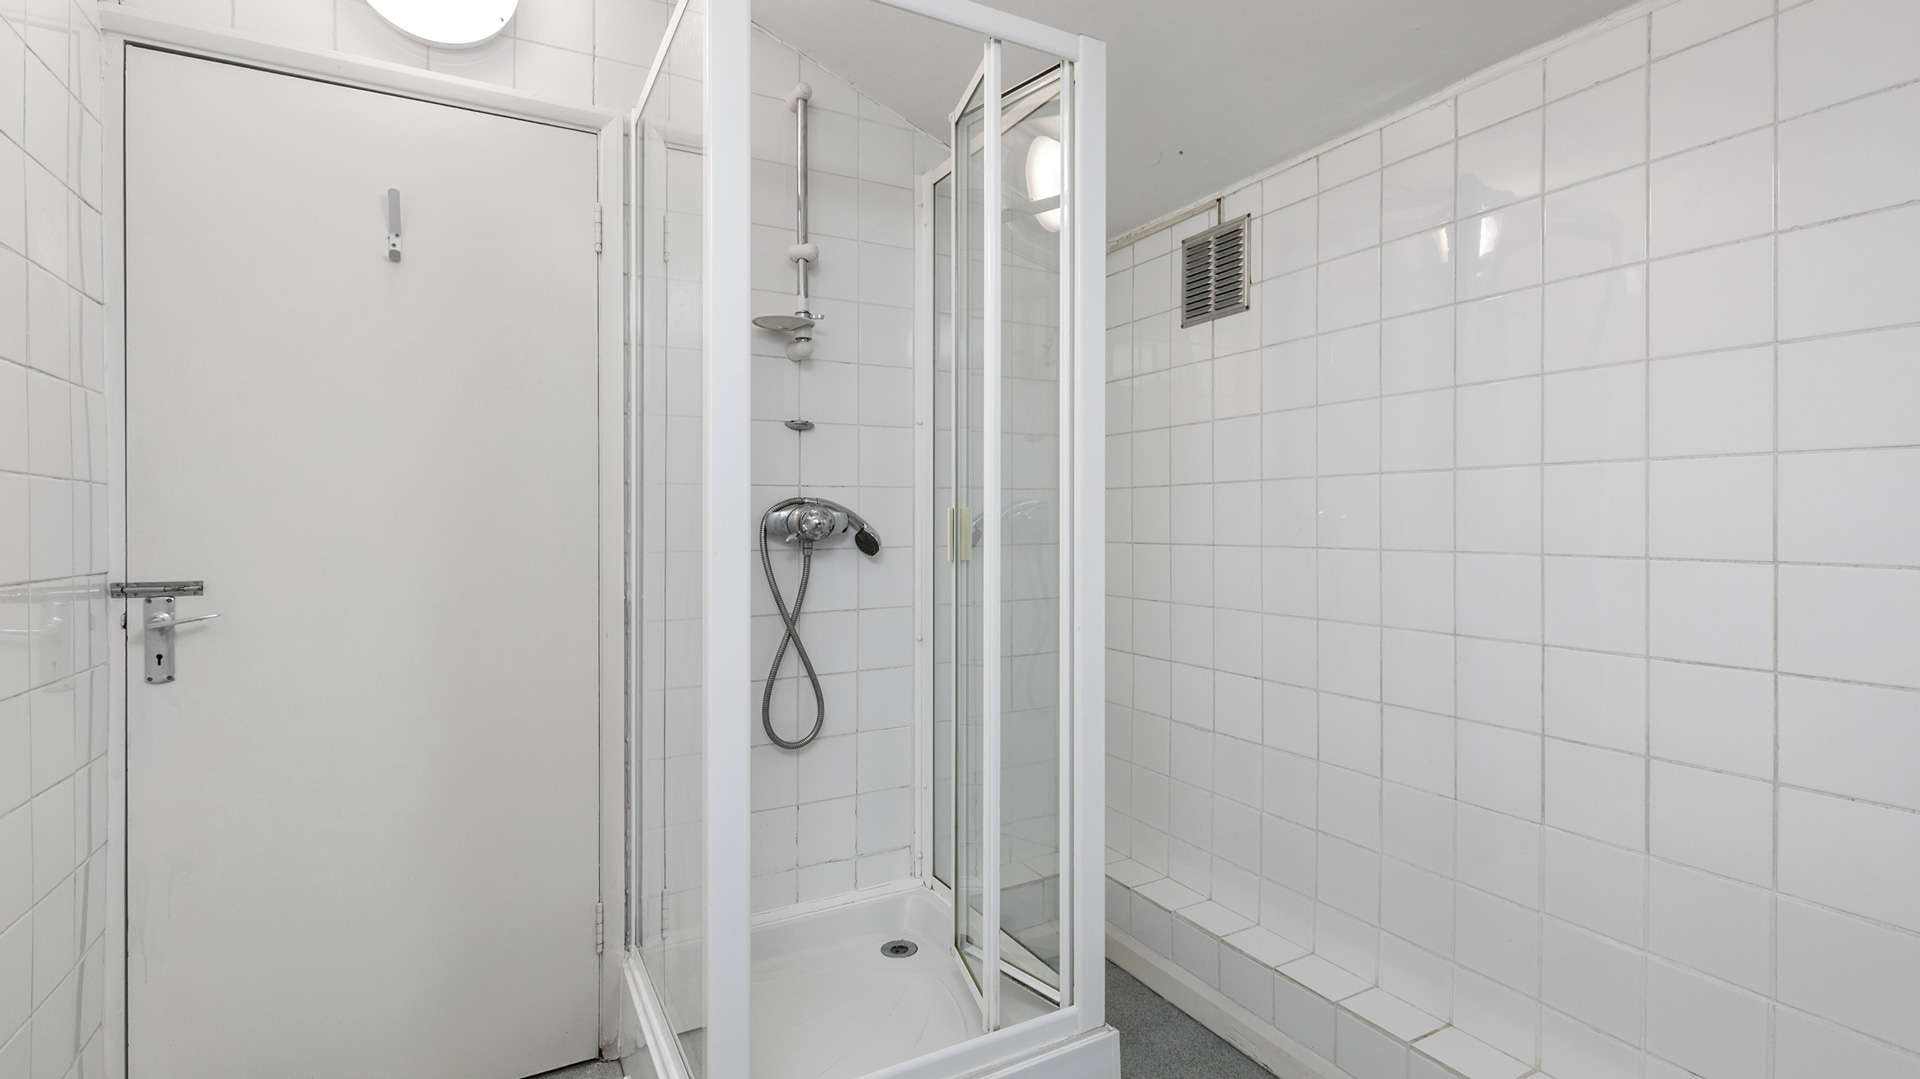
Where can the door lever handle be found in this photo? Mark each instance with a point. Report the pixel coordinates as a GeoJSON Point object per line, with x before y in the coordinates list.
{"type": "Point", "coordinates": [159, 625]}
{"type": "Point", "coordinates": [164, 620]}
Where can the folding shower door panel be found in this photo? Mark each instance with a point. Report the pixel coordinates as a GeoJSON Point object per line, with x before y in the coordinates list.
{"type": "Point", "coordinates": [976, 865]}
{"type": "Point", "coordinates": [1005, 530]}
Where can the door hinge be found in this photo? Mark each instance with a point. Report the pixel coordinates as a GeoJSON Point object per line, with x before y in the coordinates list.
{"type": "Point", "coordinates": [599, 927]}
{"type": "Point", "coordinates": [599, 227]}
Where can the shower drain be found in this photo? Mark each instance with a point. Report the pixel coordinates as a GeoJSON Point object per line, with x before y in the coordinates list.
{"type": "Point", "coordinates": [898, 949]}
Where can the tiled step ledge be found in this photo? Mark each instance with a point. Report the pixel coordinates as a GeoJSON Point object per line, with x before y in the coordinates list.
{"type": "Point", "coordinates": [1298, 1015]}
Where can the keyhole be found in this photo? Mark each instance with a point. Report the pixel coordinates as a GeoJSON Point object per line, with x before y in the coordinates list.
{"type": "Point", "coordinates": [159, 657]}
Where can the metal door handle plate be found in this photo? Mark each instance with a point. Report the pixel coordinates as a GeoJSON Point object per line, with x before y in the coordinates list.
{"type": "Point", "coordinates": [160, 623]}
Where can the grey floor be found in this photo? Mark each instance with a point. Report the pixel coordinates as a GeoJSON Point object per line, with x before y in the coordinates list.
{"type": "Point", "coordinates": [592, 1069]}
{"type": "Point", "coordinates": [1159, 1041]}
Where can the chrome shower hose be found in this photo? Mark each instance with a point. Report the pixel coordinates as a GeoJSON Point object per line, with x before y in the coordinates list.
{"type": "Point", "coordinates": [790, 635]}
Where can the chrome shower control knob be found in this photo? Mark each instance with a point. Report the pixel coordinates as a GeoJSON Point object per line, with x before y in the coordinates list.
{"type": "Point", "coordinates": [811, 524]}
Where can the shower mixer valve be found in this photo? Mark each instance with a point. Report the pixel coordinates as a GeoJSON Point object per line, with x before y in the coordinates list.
{"type": "Point", "coordinates": [808, 521]}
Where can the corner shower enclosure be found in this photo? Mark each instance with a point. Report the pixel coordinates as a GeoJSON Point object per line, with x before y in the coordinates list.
{"type": "Point", "coordinates": [914, 888]}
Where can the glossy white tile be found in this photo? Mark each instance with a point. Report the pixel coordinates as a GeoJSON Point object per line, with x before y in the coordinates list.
{"type": "Point", "coordinates": [1850, 740]}
{"type": "Point", "coordinates": [1854, 972]}
{"type": "Point", "coordinates": [1851, 623]}
{"type": "Point", "coordinates": [1844, 275]}
{"type": "Point", "coordinates": [1718, 298]}
{"type": "Point", "coordinates": [1714, 507]}
{"type": "Point", "coordinates": [1720, 402]}
{"type": "Point", "coordinates": [1597, 319]}
{"type": "Point", "coordinates": [1717, 89]}
{"type": "Point", "coordinates": [1712, 195]}
{"type": "Point", "coordinates": [1859, 156]}
{"type": "Point", "coordinates": [1718, 717]}
{"type": "Point", "coordinates": [1499, 251]}
{"type": "Point", "coordinates": [1499, 165]}
{"type": "Point", "coordinates": [1597, 225]}
{"type": "Point", "coordinates": [1498, 337]}
{"type": "Point", "coordinates": [1712, 612]}
{"type": "Point", "coordinates": [1507, 95]}
{"type": "Point", "coordinates": [1427, 128]}
{"type": "Point", "coordinates": [1838, 49]}
{"type": "Point", "coordinates": [1417, 194]}
{"type": "Point", "coordinates": [1716, 822]}
{"type": "Point", "coordinates": [1596, 131]}
{"type": "Point", "coordinates": [1596, 57]}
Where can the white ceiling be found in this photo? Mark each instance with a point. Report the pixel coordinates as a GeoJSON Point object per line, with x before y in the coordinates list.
{"type": "Point", "coordinates": [1201, 92]}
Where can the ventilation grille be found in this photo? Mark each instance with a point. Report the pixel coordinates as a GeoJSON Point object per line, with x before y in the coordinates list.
{"type": "Point", "coordinates": [1214, 280]}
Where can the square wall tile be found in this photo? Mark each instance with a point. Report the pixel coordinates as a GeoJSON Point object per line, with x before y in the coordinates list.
{"type": "Point", "coordinates": [1852, 623]}
{"type": "Point", "coordinates": [1714, 90]}
{"type": "Point", "coordinates": [1708, 1027]}
{"type": "Point", "coordinates": [1716, 822]}
{"type": "Point", "coordinates": [1722, 298]}
{"type": "Point", "coordinates": [1712, 195]}
{"type": "Point", "coordinates": [1859, 156]}
{"type": "Point", "coordinates": [1849, 391]}
{"type": "Point", "coordinates": [1837, 49]}
{"type": "Point", "coordinates": [1851, 971]}
{"type": "Point", "coordinates": [1597, 131]}
{"type": "Point", "coordinates": [1845, 275]}
{"type": "Point", "coordinates": [1851, 740]}
{"type": "Point", "coordinates": [1712, 612]}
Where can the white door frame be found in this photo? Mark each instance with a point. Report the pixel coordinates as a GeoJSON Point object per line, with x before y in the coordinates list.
{"type": "Point", "coordinates": [123, 29]}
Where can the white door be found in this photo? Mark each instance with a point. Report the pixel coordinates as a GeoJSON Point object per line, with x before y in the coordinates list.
{"type": "Point", "coordinates": [362, 818]}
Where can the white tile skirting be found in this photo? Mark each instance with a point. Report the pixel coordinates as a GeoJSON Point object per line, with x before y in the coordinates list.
{"type": "Point", "coordinates": [1291, 1010]}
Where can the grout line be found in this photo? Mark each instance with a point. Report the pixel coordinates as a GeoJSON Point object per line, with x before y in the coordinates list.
{"type": "Point", "coordinates": [1646, 545]}
{"type": "Point", "coordinates": [1539, 470]}
{"type": "Point", "coordinates": [1773, 903]}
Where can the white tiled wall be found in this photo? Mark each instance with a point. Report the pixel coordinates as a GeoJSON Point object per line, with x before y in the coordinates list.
{"type": "Point", "coordinates": [53, 685]}
{"type": "Point", "coordinates": [583, 52]}
{"type": "Point", "coordinates": [839, 813]}
{"type": "Point", "coordinates": [1520, 607]}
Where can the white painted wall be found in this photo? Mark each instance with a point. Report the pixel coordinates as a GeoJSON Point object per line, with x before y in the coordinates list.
{"type": "Point", "coordinates": [1520, 607]}
{"type": "Point", "coordinates": [53, 471]}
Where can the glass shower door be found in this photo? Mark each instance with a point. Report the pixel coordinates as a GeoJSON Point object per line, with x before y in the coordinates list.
{"type": "Point", "coordinates": [971, 887]}
{"type": "Point", "coordinates": [1028, 516]}
{"type": "Point", "coordinates": [1001, 631]}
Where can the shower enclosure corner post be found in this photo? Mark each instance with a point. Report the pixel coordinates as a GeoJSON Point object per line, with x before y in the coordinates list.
{"type": "Point", "coordinates": [726, 432]}
{"type": "Point", "coordinates": [1087, 218]}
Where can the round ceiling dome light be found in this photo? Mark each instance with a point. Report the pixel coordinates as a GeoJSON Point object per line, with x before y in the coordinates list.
{"type": "Point", "coordinates": [454, 24]}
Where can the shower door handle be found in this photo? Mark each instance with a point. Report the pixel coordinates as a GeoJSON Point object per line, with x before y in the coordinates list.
{"type": "Point", "coordinates": [959, 534]}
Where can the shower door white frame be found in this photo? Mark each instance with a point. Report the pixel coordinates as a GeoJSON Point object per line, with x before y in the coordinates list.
{"type": "Point", "coordinates": [728, 517]}
{"type": "Point", "coordinates": [1025, 98]}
